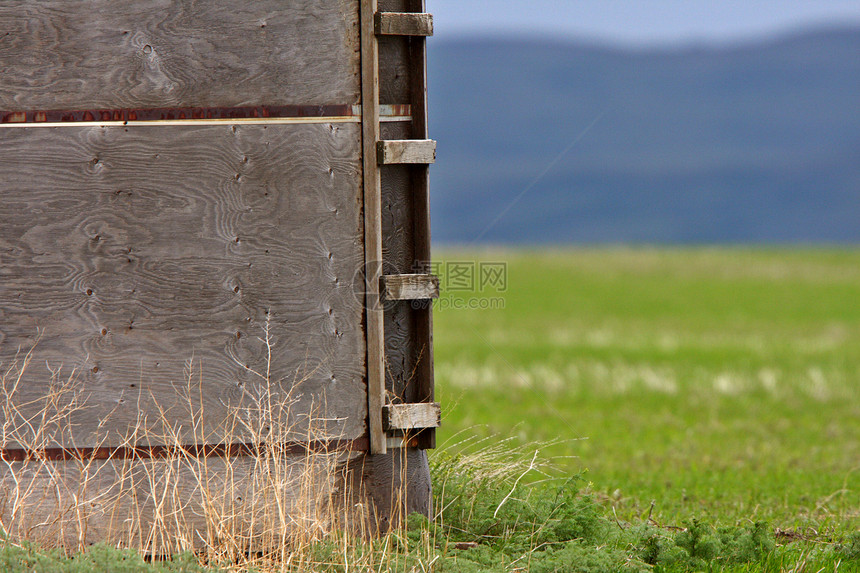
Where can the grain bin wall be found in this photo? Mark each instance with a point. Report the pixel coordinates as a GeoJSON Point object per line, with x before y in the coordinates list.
{"type": "Point", "coordinates": [202, 204]}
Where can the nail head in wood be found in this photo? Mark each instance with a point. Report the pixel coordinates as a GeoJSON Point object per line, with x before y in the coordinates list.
{"type": "Point", "coordinates": [411, 416]}
{"type": "Point", "coordinates": [409, 287]}
{"type": "Point", "coordinates": [398, 151]}
{"type": "Point", "coordinates": [404, 24]}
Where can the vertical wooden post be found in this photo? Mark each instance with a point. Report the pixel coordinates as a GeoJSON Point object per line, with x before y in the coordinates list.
{"type": "Point", "coordinates": [372, 226]}
{"type": "Point", "coordinates": [421, 225]}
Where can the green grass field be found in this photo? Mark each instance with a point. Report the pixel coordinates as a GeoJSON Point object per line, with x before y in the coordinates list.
{"type": "Point", "coordinates": [723, 384]}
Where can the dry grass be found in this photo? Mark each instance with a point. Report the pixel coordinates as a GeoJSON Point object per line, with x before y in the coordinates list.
{"type": "Point", "coordinates": [269, 508]}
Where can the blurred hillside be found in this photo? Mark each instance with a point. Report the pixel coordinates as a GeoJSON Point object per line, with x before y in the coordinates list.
{"type": "Point", "coordinates": [750, 143]}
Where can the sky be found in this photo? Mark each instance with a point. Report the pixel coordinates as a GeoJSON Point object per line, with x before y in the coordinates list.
{"type": "Point", "coordinates": [639, 22]}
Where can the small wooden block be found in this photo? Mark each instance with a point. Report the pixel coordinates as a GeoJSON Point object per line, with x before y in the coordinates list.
{"type": "Point", "coordinates": [409, 287]}
{"type": "Point", "coordinates": [403, 24]}
{"type": "Point", "coordinates": [397, 442]}
{"type": "Point", "coordinates": [396, 151]}
{"type": "Point", "coordinates": [411, 416]}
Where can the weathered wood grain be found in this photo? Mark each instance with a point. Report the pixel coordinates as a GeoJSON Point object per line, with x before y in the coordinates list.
{"type": "Point", "coordinates": [422, 151]}
{"type": "Point", "coordinates": [404, 24]}
{"type": "Point", "coordinates": [394, 6]}
{"type": "Point", "coordinates": [397, 484]}
{"type": "Point", "coordinates": [394, 72]}
{"type": "Point", "coordinates": [372, 228]}
{"type": "Point", "coordinates": [131, 251]}
{"type": "Point", "coordinates": [411, 416]}
{"type": "Point", "coordinates": [410, 287]}
{"type": "Point", "coordinates": [104, 54]}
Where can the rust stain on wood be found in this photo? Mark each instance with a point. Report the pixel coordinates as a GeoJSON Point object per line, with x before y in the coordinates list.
{"type": "Point", "coordinates": [161, 114]}
{"type": "Point", "coordinates": [190, 450]}
{"type": "Point", "coordinates": [393, 112]}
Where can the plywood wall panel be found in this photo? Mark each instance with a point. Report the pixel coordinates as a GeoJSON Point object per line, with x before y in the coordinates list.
{"type": "Point", "coordinates": [130, 251]}
{"type": "Point", "coordinates": [107, 54]}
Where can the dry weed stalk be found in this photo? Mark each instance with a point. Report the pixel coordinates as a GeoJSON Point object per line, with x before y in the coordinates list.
{"type": "Point", "coordinates": [266, 508]}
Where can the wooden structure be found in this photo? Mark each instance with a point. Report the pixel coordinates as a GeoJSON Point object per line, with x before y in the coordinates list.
{"type": "Point", "coordinates": [239, 185]}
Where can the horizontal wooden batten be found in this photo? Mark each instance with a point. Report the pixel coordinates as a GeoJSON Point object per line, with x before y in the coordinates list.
{"type": "Point", "coordinates": [397, 442]}
{"type": "Point", "coordinates": [410, 287]}
{"type": "Point", "coordinates": [404, 24]}
{"type": "Point", "coordinates": [193, 450]}
{"type": "Point", "coordinates": [202, 116]}
{"type": "Point", "coordinates": [401, 151]}
{"type": "Point", "coordinates": [411, 416]}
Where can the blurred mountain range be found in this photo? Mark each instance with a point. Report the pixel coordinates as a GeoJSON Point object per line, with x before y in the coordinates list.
{"type": "Point", "coordinates": [553, 142]}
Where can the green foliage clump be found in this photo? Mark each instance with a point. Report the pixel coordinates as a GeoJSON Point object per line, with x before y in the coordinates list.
{"type": "Point", "coordinates": [699, 542]}
{"type": "Point", "coordinates": [544, 525]}
{"type": "Point", "coordinates": [746, 544]}
{"type": "Point", "coordinates": [699, 546]}
{"type": "Point", "coordinates": [32, 559]}
{"type": "Point", "coordinates": [656, 547]}
{"type": "Point", "coordinates": [850, 548]}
